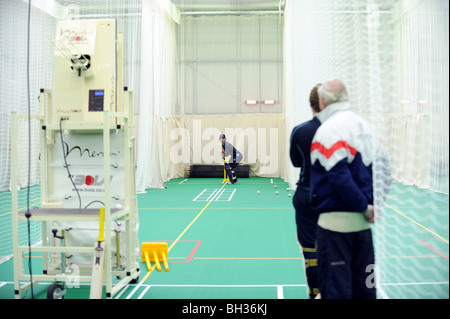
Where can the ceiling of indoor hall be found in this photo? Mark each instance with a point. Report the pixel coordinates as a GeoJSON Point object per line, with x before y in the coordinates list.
{"type": "Point", "coordinates": [229, 5]}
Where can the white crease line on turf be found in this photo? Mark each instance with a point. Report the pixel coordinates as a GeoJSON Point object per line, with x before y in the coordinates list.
{"type": "Point", "coordinates": [199, 195]}
{"type": "Point", "coordinates": [144, 292]}
{"type": "Point", "coordinates": [221, 193]}
{"type": "Point", "coordinates": [147, 287]}
{"type": "Point", "coordinates": [280, 294]}
{"type": "Point", "coordinates": [134, 290]}
{"type": "Point", "coordinates": [382, 293]}
{"type": "Point", "coordinates": [232, 194]}
{"type": "Point", "coordinates": [238, 286]}
{"type": "Point", "coordinates": [121, 292]}
{"type": "Point", "coordinates": [213, 193]}
{"type": "Point", "coordinates": [225, 286]}
{"type": "Point", "coordinates": [217, 196]}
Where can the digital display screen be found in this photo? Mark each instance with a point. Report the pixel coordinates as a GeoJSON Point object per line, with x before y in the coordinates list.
{"type": "Point", "coordinates": [99, 93]}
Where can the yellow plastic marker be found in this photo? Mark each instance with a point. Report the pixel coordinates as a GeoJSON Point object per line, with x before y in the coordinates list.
{"type": "Point", "coordinates": [147, 261]}
{"type": "Point", "coordinates": [164, 257]}
{"type": "Point", "coordinates": [154, 252]}
{"type": "Point", "coordinates": [155, 258]}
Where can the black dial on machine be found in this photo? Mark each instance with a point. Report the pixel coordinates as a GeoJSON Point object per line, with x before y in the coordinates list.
{"type": "Point", "coordinates": [96, 100]}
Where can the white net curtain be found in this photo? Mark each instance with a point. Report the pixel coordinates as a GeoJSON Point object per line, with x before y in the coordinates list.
{"type": "Point", "coordinates": [393, 57]}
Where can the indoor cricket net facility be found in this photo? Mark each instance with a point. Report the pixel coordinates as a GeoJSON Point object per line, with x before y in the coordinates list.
{"type": "Point", "coordinates": [156, 149]}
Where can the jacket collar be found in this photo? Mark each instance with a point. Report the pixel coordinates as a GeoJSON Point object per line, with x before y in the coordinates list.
{"type": "Point", "coordinates": [332, 109]}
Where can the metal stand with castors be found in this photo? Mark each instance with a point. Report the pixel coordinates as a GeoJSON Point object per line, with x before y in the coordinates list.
{"type": "Point", "coordinates": [52, 209]}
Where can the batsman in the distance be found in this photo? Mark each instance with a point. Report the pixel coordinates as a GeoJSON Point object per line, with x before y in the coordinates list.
{"type": "Point", "coordinates": [232, 157]}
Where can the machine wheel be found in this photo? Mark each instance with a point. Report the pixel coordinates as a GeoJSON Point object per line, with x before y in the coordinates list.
{"type": "Point", "coordinates": [134, 281]}
{"type": "Point", "coordinates": [56, 291]}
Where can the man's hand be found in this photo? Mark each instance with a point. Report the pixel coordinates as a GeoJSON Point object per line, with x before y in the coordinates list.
{"type": "Point", "coordinates": [369, 214]}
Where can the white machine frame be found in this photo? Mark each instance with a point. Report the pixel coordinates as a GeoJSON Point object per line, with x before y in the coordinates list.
{"type": "Point", "coordinates": [50, 212]}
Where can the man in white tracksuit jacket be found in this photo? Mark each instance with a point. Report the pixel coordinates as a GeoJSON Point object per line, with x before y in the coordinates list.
{"type": "Point", "coordinates": [342, 153]}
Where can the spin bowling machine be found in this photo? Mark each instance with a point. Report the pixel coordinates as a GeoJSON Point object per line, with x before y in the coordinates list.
{"type": "Point", "coordinates": [87, 162]}
{"type": "Point", "coordinates": [88, 70]}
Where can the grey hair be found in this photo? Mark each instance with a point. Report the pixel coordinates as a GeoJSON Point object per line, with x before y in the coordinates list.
{"type": "Point", "coordinates": [333, 91]}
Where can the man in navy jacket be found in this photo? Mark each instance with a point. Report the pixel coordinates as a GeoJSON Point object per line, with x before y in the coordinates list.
{"type": "Point", "coordinates": [342, 154]}
{"type": "Point", "coordinates": [305, 216]}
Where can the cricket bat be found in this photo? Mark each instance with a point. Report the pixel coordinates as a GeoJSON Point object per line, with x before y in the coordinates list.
{"type": "Point", "coordinates": [98, 261]}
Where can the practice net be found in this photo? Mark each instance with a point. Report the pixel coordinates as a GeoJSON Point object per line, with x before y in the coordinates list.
{"type": "Point", "coordinates": [13, 89]}
{"type": "Point", "coordinates": [393, 58]}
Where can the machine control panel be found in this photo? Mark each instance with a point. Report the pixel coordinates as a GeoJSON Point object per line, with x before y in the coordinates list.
{"type": "Point", "coordinates": [96, 100]}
